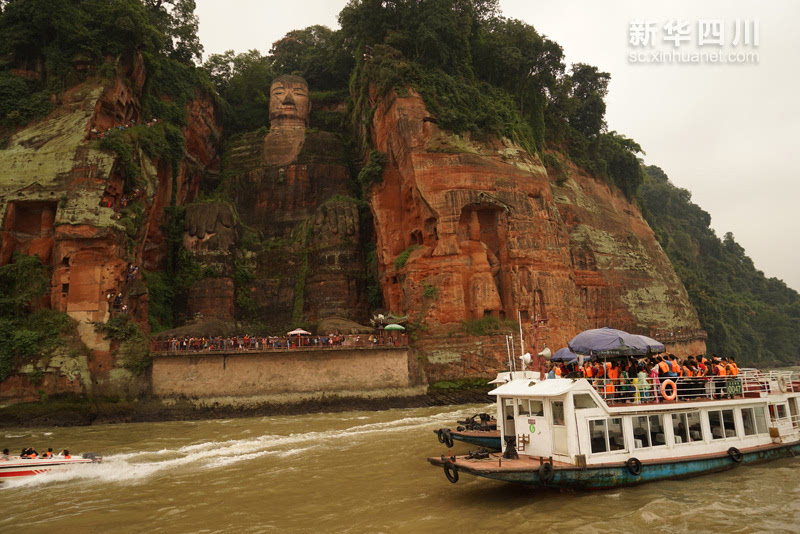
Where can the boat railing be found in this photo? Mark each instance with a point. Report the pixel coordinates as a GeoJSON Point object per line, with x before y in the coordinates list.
{"type": "Point", "coordinates": [684, 389]}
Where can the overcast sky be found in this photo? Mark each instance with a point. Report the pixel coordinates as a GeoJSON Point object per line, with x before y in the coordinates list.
{"type": "Point", "coordinates": [729, 133]}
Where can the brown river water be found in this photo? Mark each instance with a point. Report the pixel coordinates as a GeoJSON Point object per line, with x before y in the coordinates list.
{"type": "Point", "coordinates": [350, 472]}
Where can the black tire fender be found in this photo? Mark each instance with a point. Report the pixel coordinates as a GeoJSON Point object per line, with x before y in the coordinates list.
{"type": "Point", "coordinates": [546, 472]}
{"type": "Point", "coordinates": [440, 435]}
{"type": "Point", "coordinates": [634, 466]}
{"type": "Point", "coordinates": [448, 439]}
{"type": "Point", "coordinates": [735, 454]}
{"type": "Point", "coordinates": [450, 471]}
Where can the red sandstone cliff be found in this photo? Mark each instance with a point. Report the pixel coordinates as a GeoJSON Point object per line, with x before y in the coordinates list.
{"type": "Point", "coordinates": [490, 233]}
{"type": "Point", "coordinates": [63, 198]}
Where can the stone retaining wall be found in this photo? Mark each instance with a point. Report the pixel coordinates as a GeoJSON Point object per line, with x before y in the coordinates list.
{"type": "Point", "coordinates": [232, 374]}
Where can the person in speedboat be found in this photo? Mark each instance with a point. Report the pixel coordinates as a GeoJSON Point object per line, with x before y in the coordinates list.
{"type": "Point", "coordinates": [5, 457]}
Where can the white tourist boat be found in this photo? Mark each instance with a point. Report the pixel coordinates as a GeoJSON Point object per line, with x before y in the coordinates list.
{"type": "Point", "coordinates": [15, 467]}
{"type": "Point", "coordinates": [571, 433]}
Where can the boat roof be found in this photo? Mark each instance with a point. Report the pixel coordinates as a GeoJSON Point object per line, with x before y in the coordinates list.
{"type": "Point", "coordinates": [508, 376]}
{"type": "Point", "coordinates": [552, 387]}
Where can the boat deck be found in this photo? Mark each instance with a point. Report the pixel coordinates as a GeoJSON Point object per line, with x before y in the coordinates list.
{"type": "Point", "coordinates": [496, 461]}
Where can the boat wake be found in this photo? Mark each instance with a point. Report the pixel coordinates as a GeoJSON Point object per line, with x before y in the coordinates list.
{"type": "Point", "coordinates": [138, 467]}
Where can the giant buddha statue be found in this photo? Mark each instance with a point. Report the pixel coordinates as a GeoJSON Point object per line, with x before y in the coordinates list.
{"type": "Point", "coordinates": [284, 183]}
{"type": "Point", "coordinates": [289, 105]}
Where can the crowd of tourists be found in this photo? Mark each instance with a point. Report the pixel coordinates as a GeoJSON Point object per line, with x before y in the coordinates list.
{"type": "Point", "coordinates": [31, 454]}
{"type": "Point", "coordinates": [248, 342]}
{"type": "Point", "coordinates": [94, 133]}
{"type": "Point", "coordinates": [641, 380]}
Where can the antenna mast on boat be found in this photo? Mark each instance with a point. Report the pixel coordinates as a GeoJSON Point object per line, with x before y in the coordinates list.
{"type": "Point", "coordinates": [537, 324]}
{"type": "Point", "coordinates": [521, 338]}
{"type": "Point", "coordinates": [508, 350]}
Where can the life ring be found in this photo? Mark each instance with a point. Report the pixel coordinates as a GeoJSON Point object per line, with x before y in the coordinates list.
{"type": "Point", "coordinates": [672, 395]}
{"type": "Point", "coordinates": [735, 454]}
{"type": "Point", "coordinates": [634, 466]}
{"type": "Point", "coordinates": [448, 439]}
{"type": "Point", "coordinates": [782, 385]}
{"type": "Point", "coordinates": [546, 472]}
{"type": "Point", "coordinates": [450, 471]}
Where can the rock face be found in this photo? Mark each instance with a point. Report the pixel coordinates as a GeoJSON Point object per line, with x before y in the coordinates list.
{"type": "Point", "coordinates": [63, 199]}
{"type": "Point", "coordinates": [486, 232]}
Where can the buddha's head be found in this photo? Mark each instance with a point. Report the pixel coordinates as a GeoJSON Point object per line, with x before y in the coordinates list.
{"type": "Point", "coordinates": [288, 102]}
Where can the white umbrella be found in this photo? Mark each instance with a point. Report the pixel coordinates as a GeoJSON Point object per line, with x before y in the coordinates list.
{"type": "Point", "coordinates": [298, 332]}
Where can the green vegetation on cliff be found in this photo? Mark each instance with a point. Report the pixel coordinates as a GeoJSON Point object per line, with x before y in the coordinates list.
{"type": "Point", "coordinates": [487, 75]}
{"type": "Point", "coordinates": [747, 315]}
{"type": "Point", "coordinates": [53, 44]}
{"type": "Point", "coordinates": [27, 333]}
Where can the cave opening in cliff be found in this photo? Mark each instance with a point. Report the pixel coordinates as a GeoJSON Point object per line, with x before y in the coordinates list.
{"type": "Point", "coordinates": [489, 220]}
{"type": "Point", "coordinates": [28, 227]}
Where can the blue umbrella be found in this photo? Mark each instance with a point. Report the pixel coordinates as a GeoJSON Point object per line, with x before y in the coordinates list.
{"type": "Point", "coordinates": [653, 346]}
{"type": "Point", "coordinates": [608, 342]}
{"type": "Point", "coordinates": [564, 355]}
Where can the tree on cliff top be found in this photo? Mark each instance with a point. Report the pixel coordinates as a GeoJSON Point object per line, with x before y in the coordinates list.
{"type": "Point", "coordinates": [747, 315]}
{"type": "Point", "coordinates": [177, 21]}
{"type": "Point", "coordinates": [482, 73]}
{"type": "Point", "coordinates": [316, 53]}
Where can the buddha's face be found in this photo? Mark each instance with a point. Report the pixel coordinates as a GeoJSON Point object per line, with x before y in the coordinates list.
{"type": "Point", "coordinates": [288, 104]}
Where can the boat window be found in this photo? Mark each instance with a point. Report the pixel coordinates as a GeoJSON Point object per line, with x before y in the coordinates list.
{"type": "Point", "coordinates": [715, 423]}
{"type": "Point", "coordinates": [508, 405]}
{"type": "Point", "coordinates": [584, 401]}
{"type": "Point", "coordinates": [680, 429]}
{"type": "Point", "coordinates": [523, 407]}
{"type": "Point", "coordinates": [748, 421]}
{"type": "Point", "coordinates": [761, 420]}
{"type": "Point", "coordinates": [597, 430]}
{"type": "Point", "coordinates": [558, 412]}
{"type": "Point", "coordinates": [606, 435]}
{"type": "Point", "coordinates": [727, 422]}
{"type": "Point", "coordinates": [537, 408]}
{"type": "Point", "coordinates": [695, 430]}
{"type": "Point", "coordinates": [721, 424]}
{"type": "Point", "coordinates": [641, 432]}
{"type": "Point", "coordinates": [781, 408]}
{"type": "Point", "coordinates": [649, 429]}
{"type": "Point", "coordinates": [616, 441]}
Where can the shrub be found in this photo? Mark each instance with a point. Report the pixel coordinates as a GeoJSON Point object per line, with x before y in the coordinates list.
{"type": "Point", "coordinates": [487, 326]}
{"type": "Point", "coordinates": [402, 258]}
{"type": "Point", "coordinates": [372, 173]}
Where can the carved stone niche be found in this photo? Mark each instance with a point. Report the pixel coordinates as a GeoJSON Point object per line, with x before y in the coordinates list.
{"type": "Point", "coordinates": [28, 227]}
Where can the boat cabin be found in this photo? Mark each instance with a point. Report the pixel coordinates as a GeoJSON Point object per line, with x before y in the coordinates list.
{"type": "Point", "coordinates": [573, 421]}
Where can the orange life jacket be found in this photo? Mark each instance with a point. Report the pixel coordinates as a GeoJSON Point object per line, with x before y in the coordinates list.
{"type": "Point", "coordinates": [68, 457]}
{"type": "Point", "coordinates": [687, 371]}
{"type": "Point", "coordinates": [721, 369]}
{"type": "Point", "coordinates": [675, 367]}
{"type": "Point", "coordinates": [558, 371]}
{"type": "Point", "coordinates": [735, 368]}
{"type": "Point", "coordinates": [47, 455]}
{"type": "Point", "coordinates": [664, 366]}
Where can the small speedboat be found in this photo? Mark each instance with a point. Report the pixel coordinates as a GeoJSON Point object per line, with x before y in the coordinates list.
{"type": "Point", "coordinates": [480, 429]}
{"type": "Point", "coordinates": [15, 466]}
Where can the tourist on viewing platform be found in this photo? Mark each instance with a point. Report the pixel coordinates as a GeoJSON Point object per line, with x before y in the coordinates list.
{"type": "Point", "coordinates": [642, 385]}
{"type": "Point", "coordinates": [654, 375]}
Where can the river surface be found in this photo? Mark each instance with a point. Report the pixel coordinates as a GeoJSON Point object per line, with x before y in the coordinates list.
{"type": "Point", "coordinates": [350, 472]}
